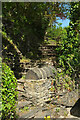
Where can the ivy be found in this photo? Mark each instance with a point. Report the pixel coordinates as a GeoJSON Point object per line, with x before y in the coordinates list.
{"type": "Point", "coordinates": [9, 93]}
{"type": "Point", "coordinates": [68, 52]}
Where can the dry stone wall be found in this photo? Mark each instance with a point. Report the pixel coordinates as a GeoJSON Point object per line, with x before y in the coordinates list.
{"type": "Point", "coordinates": [34, 90]}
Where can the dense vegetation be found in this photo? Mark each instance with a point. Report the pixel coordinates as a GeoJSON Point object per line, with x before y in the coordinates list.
{"type": "Point", "coordinates": [26, 24]}
{"type": "Point", "coordinates": [69, 50]}
{"type": "Point", "coordinates": [24, 28]}
{"type": "Point", "coordinates": [9, 93]}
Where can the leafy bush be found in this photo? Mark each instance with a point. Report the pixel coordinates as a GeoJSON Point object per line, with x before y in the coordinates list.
{"type": "Point", "coordinates": [62, 81]}
{"type": "Point", "coordinates": [9, 93]}
{"type": "Point", "coordinates": [69, 50]}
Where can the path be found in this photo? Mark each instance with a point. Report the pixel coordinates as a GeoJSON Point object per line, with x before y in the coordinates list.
{"type": "Point", "coordinates": [56, 108]}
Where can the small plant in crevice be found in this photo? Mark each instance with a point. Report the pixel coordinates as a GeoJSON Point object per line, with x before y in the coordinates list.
{"type": "Point", "coordinates": [57, 109]}
{"type": "Point", "coordinates": [23, 77]}
{"type": "Point", "coordinates": [24, 108]}
{"type": "Point", "coordinates": [65, 113]}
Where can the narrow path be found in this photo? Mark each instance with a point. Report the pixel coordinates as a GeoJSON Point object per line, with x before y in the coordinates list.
{"type": "Point", "coordinates": [59, 108]}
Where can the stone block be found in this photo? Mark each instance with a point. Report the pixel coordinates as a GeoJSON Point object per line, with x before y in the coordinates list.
{"type": "Point", "coordinates": [21, 81]}
{"type": "Point", "coordinates": [35, 88]}
{"type": "Point", "coordinates": [20, 87]}
{"type": "Point", "coordinates": [23, 103]}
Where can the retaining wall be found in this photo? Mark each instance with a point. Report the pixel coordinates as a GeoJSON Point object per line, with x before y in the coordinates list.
{"type": "Point", "coordinates": [34, 90]}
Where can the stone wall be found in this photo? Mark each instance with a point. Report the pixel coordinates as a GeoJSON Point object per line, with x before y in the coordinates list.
{"type": "Point", "coordinates": [35, 91]}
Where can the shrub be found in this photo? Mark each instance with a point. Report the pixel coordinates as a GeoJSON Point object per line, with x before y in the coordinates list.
{"type": "Point", "coordinates": [9, 93]}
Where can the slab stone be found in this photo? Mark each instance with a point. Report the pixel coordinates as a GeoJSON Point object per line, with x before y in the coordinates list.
{"type": "Point", "coordinates": [21, 81]}
{"type": "Point", "coordinates": [20, 88]}
{"type": "Point", "coordinates": [68, 99]}
{"type": "Point", "coordinates": [23, 103]}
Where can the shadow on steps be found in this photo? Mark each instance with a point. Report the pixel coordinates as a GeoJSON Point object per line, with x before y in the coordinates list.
{"type": "Point", "coordinates": [75, 110]}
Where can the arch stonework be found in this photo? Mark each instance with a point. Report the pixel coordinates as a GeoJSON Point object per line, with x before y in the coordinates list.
{"type": "Point", "coordinates": [35, 89]}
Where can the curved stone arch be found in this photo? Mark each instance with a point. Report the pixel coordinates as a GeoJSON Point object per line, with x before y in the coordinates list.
{"type": "Point", "coordinates": [40, 73]}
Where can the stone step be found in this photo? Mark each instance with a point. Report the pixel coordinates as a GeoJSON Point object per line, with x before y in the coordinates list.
{"type": "Point", "coordinates": [30, 114]}
{"type": "Point", "coordinates": [22, 104]}
{"type": "Point", "coordinates": [48, 54]}
{"type": "Point", "coordinates": [21, 80]}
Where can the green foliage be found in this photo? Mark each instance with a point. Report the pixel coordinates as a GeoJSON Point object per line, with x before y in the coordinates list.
{"type": "Point", "coordinates": [69, 50]}
{"type": "Point", "coordinates": [9, 93]}
{"type": "Point", "coordinates": [75, 11]}
{"type": "Point", "coordinates": [68, 47]}
{"type": "Point", "coordinates": [11, 55]}
{"type": "Point", "coordinates": [68, 41]}
{"type": "Point", "coordinates": [24, 27]}
{"type": "Point", "coordinates": [26, 23]}
{"type": "Point", "coordinates": [56, 33]}
{"type": "Point", "coordinates": [63, 81]}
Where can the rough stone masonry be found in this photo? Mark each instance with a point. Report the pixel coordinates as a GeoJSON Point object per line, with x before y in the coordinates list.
{"type": "Point", "coordinates": [34, 90]}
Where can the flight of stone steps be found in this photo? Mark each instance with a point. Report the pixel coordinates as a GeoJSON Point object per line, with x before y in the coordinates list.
{"type": "Point", "coordinates": [48, 50]}
{"type": "Point", "coordinates": [48, 58]}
